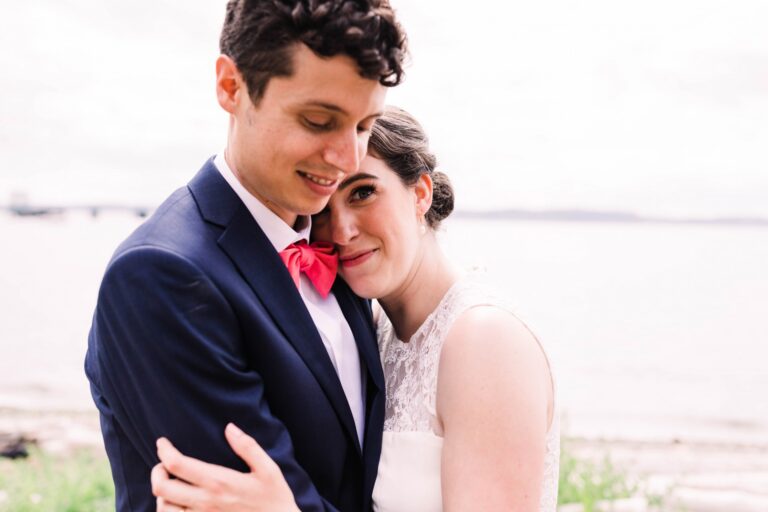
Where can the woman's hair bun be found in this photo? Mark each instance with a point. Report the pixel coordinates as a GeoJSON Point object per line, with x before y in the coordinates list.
{"type": "Point", "coordinates": [442, 198]}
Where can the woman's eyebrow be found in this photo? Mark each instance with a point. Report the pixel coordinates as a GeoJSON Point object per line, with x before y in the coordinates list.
{"type": "Point", "coordinates": [359, 176]}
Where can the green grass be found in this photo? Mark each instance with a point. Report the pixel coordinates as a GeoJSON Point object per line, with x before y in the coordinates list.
{"type": "Point", "coordinates": [45, 483]}
{"type": "Point", "coordinates": [82, 483]}
{"type": "Point", "coordinates": [587, 482]}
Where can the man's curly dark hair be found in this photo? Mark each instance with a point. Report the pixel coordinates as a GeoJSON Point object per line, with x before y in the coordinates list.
{"type": "Point", "coordinates": [259, 36]}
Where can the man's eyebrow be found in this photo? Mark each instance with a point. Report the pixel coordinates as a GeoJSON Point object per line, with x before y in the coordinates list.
{"type": "Point", "coordinates": [336, 108]}
{"type": "Point", "coordinates": [357, 177]}
{"type": "Point", "coordinates": [326, 106]}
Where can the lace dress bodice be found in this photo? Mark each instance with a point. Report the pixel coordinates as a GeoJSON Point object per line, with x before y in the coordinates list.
{"type": "Point", "coordinates": [409, 471]}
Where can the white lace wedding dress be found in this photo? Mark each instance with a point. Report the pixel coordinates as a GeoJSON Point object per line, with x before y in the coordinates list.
{"type": "Point", "coordinates": [409, 470]}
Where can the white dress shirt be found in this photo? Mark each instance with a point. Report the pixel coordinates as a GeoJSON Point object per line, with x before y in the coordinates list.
{"type": "Point", "coordinates": [325, 312]}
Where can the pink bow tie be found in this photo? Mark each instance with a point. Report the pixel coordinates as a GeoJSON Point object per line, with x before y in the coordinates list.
{"type": "Point", "coordinates": [318, 261]}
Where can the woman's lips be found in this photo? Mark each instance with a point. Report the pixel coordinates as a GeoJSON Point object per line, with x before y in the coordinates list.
{"type": "Point", "coordinates": [356, 259]}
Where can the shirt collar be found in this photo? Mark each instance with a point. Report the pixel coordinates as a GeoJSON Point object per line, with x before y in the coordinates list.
{"type": "Point", "coordinates": [280, 234]}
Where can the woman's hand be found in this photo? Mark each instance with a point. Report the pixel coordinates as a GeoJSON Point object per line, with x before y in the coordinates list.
{"type": "Point", "coordinates": [208, 487]}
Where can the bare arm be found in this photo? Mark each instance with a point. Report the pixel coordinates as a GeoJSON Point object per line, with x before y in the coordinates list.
{"type": "Point", "coordinates": [495, 402]}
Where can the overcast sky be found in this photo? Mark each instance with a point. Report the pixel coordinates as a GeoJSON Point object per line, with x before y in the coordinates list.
{"type": "Point", "coordinates": [658, 106]}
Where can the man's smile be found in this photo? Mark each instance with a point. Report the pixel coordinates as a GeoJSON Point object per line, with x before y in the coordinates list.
{"type": "Point", "coordinates": [325, 182]}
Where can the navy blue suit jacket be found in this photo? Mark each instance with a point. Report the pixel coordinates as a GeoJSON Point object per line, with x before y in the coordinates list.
{"type": "Point", "coordinates": [198, 323]}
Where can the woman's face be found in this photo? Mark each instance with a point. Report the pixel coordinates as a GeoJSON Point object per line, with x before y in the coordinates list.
{"type": "Point", "coordinates": [373, 219]}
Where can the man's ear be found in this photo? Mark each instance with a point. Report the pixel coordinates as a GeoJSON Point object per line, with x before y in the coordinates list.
{"type": "Point", "coordinates": [423, 190]}
{"type": "Point", "coordinates": [229, 84]}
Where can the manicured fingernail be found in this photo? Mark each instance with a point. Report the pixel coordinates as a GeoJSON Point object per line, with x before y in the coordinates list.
{"type": "Point", "coordinates": [233, 430]}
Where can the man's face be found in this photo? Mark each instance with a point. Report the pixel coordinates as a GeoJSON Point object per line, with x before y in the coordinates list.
{"type": "Point", "coordinates": [307, 132]}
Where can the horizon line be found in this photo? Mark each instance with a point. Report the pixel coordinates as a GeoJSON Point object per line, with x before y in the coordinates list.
{"type": "Point", "coordinates": [553, 214]}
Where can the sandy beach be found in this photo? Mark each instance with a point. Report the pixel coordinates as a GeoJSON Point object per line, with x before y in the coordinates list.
{"type": "Point", "coordinates": [681, 476]}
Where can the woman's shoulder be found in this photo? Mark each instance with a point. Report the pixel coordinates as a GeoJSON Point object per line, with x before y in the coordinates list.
{"type": "Point", "coordinates": [485, 323]}
{"type": "Point", "coordinates": [488, 347]}
{"type": "Point", "coordinates": [483, 312]}
{"type": "Point", "coordinates": [491, 359]}
{"type": "Point", "coordinates": [490, 326]}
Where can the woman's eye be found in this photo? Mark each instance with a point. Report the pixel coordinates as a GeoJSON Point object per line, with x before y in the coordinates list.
{"type": "Point", "coordinates": [362, 193]}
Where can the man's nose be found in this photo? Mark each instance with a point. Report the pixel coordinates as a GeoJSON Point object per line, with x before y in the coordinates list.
{"type": "Point", "coordinates": [345, 151]}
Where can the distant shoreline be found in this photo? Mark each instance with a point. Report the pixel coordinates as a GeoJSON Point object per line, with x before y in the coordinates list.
{"type": "Point", "coordinates": [606, 217]}
{"type": "Point", "coordinates": [563, 215]}
{"type": "Point", "coordinates": [25, 210]}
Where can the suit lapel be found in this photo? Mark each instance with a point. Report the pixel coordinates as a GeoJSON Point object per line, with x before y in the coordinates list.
{"type": "Point", "coordinates": [256, 259]}
{"type": "Point", "coordinates": [360, 320]}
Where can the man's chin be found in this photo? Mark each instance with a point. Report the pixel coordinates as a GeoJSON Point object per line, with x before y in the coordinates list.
{"type": "Point", "coordinates": [311, 208]}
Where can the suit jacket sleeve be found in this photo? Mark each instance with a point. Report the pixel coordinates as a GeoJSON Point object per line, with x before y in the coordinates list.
{"type": "Point", "coordinates": [171, 363]}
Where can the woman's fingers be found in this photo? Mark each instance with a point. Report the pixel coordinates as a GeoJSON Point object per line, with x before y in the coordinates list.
{"type": "Point", "coordinates": [249, 450]}
{"type": "Point", "coordinates": [158, 476]}
{"type": "Point", "coordinates": [204, 486]}
{"type": "Point", "coordinates": [190, 469]}
{"type": "Point", "coordinates": [173, 494]}
{"type": "Point", "coordinates": [164, 506]}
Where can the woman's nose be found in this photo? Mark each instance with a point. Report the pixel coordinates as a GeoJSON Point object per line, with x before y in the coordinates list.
{"type": "Point", "coordinates": [343, 227]}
